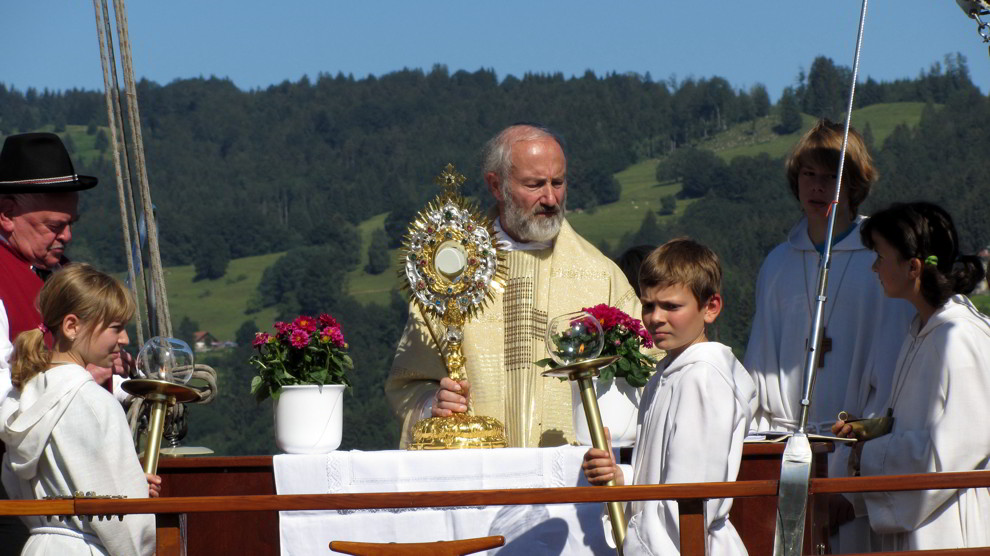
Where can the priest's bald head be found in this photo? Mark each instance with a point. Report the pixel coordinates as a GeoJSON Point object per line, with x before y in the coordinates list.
{"type": "Point", "coordinates": [525, 169]}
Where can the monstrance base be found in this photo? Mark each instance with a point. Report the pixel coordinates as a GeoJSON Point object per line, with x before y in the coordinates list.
{"type": "Point", "coordinates": [457, 432]}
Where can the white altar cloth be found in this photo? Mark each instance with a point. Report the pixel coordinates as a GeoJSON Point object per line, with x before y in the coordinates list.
{"type": "Point", "coordinates": [531, 530]}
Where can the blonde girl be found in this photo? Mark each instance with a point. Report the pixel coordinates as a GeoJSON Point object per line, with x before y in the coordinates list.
{"type": "Point", "coordinates": [66, 434]}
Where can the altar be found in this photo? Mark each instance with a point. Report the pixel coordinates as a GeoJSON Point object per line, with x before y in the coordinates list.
{"type": "Point", "coordinates": [550, 529]}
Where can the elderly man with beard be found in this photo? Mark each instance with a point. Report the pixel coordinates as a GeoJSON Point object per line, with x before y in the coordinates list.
{"type": "Point", "coordinates": [551, 271]}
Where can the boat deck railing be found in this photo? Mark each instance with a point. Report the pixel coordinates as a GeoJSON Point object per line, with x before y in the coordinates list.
{"type": "Point", "coordinates": [690, 498]}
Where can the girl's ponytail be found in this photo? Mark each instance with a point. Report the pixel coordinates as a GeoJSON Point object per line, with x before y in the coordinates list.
{"type": "Point", "coordinates": [31, 356]}
{"type": "Point", "coordinates": [966, 274]}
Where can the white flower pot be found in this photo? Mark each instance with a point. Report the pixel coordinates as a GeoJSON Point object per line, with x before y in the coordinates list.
{"type": "Point", "coordinates": [619, 406]}
{"type": "Point", "coordinates": [309, 418]}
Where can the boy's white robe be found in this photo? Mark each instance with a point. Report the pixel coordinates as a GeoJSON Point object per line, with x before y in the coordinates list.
{"type": "Point", "coordinates": [694, 415]}
{"type": "Point", "coordinates": [941, 423]}
{"type": "Point", "coordinates": [65, 434]}
{"type": "Point", "coordinates": [866, 329]}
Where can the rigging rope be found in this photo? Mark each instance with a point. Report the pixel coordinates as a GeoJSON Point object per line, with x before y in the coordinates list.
{"type": "Point", "coordinates": [125, 198]}
{"type": "Point", "coordinates": [159, 318]}
{"type": "Point", "coordinates": [162, 317]}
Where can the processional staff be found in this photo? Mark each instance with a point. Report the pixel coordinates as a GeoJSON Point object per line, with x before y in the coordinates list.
{"type": "Point", "coordinates": [795, 468]}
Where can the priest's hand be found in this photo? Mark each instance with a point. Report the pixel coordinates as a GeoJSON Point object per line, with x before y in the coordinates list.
{"type": "Point", "coordinates": [599, 465]}
{"type": "Point", "coordinates": [154, 485]}
{"type": "Point", "coordinates": [451, 398]}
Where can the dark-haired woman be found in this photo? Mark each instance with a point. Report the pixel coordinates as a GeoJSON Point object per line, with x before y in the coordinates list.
{"type": "Point", "coordinates": [941, 386]}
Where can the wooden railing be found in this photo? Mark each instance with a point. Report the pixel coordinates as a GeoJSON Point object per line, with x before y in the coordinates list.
{"type": "Point", "coordinates": [690, 499]}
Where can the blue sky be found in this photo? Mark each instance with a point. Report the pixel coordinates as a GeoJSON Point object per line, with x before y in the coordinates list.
{"type": "Point", "coordinates": [52, 43]}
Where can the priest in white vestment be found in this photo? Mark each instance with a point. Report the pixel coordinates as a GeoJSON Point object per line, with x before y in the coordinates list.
{"type": "Point", "coordinates": [551, 271]}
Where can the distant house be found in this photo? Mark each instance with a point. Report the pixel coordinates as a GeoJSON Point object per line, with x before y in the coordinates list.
{"type": "Point", "coordinates": [203, 341]}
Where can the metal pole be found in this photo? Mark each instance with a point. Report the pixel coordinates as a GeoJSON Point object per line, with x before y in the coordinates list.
{"type": "Point", "coordinates": [795, 467]}
{"type": "Point", "coordinates": [153, 442]}
{"type": "Point", "coordinates": [810, 362]}
{"type": "Point", "coordinates": [590, 402]}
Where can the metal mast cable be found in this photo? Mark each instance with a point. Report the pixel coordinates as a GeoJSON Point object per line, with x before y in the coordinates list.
{"type": "Point", "coordinates": [795, 467]}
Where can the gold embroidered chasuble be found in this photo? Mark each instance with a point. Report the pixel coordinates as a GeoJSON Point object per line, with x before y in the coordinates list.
{"type": "Point", "coordinates": [501, 344]}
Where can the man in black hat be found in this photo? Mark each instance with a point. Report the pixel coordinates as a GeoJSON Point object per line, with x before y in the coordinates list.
{"type": "Point", "coordinates": [38, 203]}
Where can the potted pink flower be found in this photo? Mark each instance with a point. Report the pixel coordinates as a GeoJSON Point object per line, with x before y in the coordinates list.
{"type": "Point", "coordinates": [304, 367]}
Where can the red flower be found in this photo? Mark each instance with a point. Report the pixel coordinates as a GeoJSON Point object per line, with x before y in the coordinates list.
{"type": "Point", "coordinates": [333, 334]}
{"type": "Point", "coordinates": [299, 338]}
{"type": "Point", "coordinates": [283, 329]}
{"type": "Point", "coordinates": [260, 339]}
{"type": "Point", "coordinates": [306, 323]}
{"type": "Point", "coordinates": [610, 317]}
{"type": "Point", "coordinates": [328, 321]}
{"type": "Point", "coordinates": [647, 339]}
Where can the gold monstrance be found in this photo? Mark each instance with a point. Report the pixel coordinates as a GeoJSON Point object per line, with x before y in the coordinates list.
{"type": "Point", "coordinates": [451, 265]}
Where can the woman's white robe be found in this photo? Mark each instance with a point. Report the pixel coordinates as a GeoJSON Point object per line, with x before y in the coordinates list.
{"type": "Point", "coordinates": [865, 326]}
{"type": "Point", "coordinates": [940, 399]}
{"type": "Point", "coordinates": [65, 434]}
{"type": "Point", "coordinates": [694, 415]}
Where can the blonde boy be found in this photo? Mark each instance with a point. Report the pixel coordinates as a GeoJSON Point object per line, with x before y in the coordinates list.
{"type": "Point", "coordinates": [695, 410]}
{"type": "Point", "coordinates": [862, 328]}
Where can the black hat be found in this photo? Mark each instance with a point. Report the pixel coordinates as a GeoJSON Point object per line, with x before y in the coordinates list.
{"type": "Point", "coordinates": [38, 163]}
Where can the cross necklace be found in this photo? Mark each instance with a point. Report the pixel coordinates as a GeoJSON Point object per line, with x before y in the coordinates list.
{"type": "Point", "coordinates": [826, 341]}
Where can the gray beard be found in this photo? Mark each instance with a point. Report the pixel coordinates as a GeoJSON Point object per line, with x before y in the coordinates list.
{"type": "Point", "coordinates": [529, 227]}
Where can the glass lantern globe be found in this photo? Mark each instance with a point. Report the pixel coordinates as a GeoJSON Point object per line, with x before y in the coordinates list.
{"type": "Point", "coordinates": [168, 359]}
{"type": "Point", "coordinates": [574, 337]}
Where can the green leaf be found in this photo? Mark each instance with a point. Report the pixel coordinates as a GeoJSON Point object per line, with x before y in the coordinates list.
{"type": "Point", "coordinates": [608, 373]}
{"type": "Point", "coordinates": [636, 381]}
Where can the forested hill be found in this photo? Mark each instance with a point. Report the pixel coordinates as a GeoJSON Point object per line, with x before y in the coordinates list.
{"type": "Point", "coordinates": [264, 170]}
{"type": "Point", "coordinates": [296, 167]}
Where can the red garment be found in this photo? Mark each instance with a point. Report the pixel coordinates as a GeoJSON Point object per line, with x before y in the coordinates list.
{"type": "Point", "coordinates": [19, 287]}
